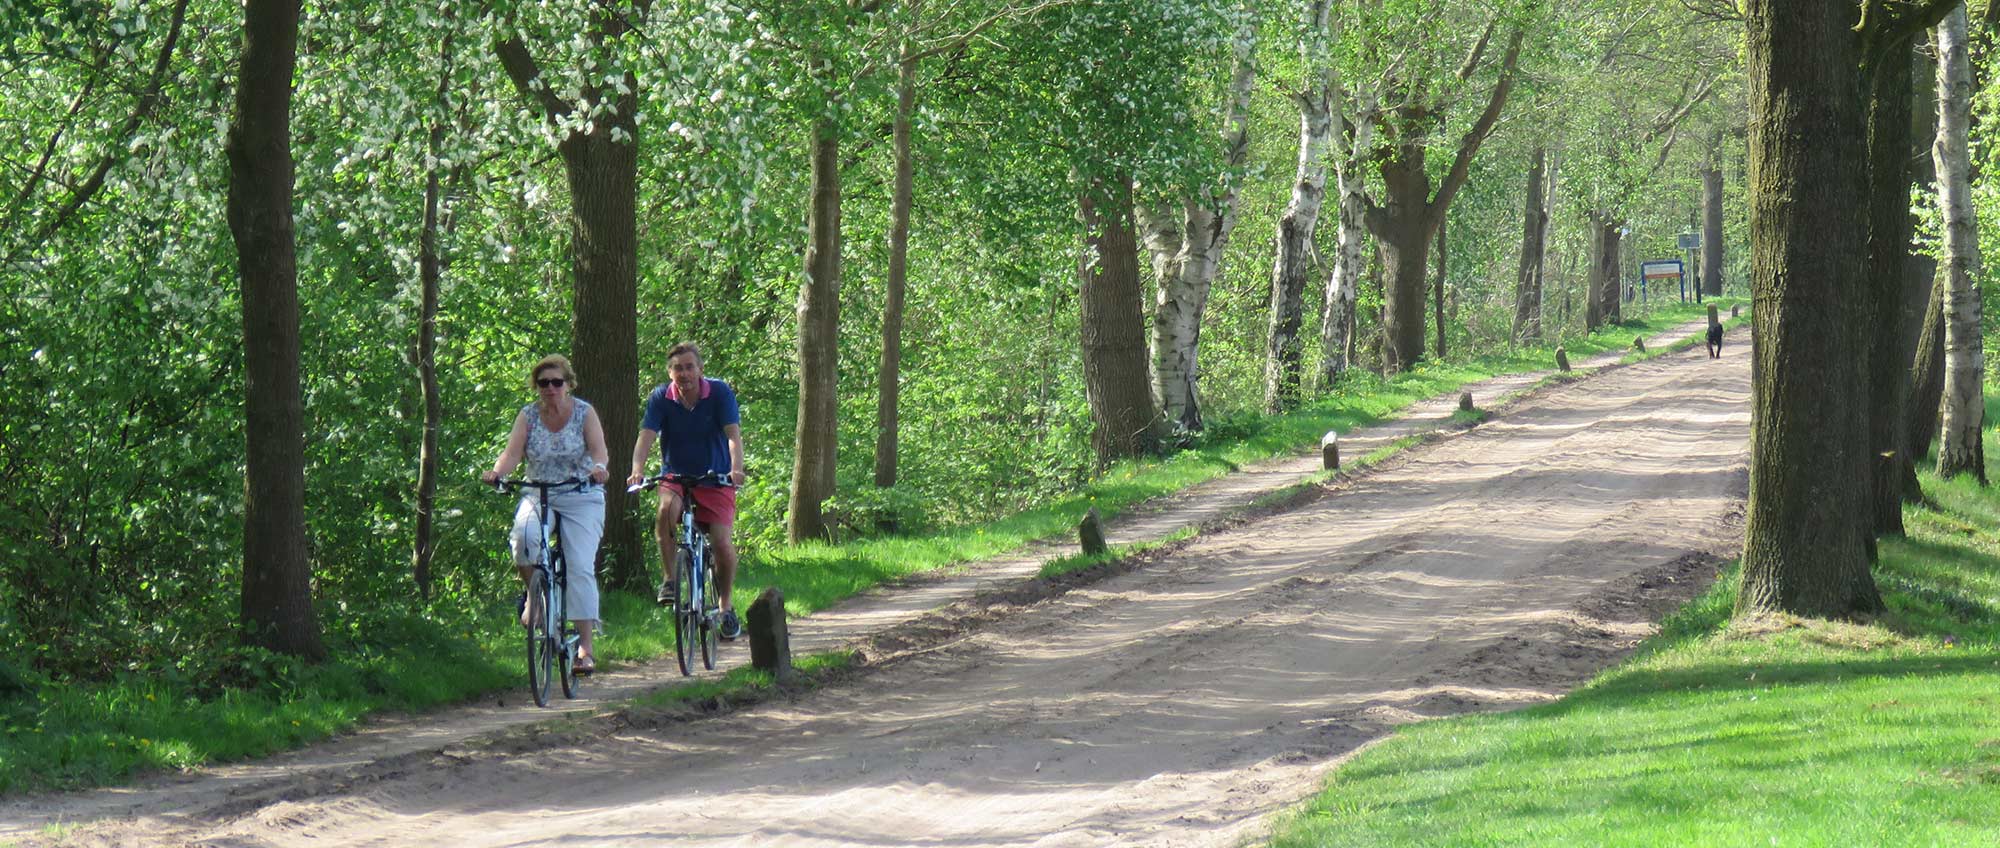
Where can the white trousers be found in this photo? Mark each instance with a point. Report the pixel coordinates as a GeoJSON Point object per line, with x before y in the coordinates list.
{"type": "Point", "coordinates": [582, 526]}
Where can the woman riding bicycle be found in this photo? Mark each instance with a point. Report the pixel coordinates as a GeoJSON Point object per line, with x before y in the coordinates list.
{"type": "Point", "coordinates": [562, 439]}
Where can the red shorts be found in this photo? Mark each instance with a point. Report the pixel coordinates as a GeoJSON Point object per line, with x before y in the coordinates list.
{"type": "Point", "coordinates": [712, 504]}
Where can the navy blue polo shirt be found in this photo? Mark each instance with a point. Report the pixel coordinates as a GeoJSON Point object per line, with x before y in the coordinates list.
{"type": "Point", "coordinates": [692, 439]}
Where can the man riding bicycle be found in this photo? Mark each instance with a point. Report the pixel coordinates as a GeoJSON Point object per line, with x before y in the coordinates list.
{"type": "Point", "coordinates": [699, 422]}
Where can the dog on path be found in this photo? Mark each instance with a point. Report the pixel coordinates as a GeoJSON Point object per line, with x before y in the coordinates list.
{"type": "Point", "coordinates": [1715, 341]}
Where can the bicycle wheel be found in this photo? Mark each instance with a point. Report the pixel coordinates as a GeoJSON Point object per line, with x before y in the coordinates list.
{"type": "Point", "coordinates": [686, 617]}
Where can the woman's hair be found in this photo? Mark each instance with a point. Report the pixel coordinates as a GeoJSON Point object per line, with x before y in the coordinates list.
{"type": "Point", "coordinates": [556, 361]}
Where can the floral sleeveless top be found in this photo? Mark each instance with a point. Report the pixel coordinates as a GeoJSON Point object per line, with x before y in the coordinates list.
{"type": "Point", "coordinates": [554, 457]}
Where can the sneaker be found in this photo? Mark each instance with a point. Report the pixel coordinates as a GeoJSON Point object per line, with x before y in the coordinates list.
{"type": "Point", "coordinates": [731, 628]}
{"type": "Point", "coordinates": [667, 594]}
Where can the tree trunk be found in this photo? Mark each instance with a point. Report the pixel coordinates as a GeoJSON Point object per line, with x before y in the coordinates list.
{"type": "Point", "coordinates": [1964, 413]}
{"type": "Point", "coordinates": [888, 395]}
{"type": "Point", "coordinates": [818, 344]}
{"type": "Point", "coordinates": [1301, 215]}
{"type": "Point", "coordinates": [1443, 252]}
{"type": "Point", "coordinates": [1806, 548]}
{"type": "Point", "coordinates": [277, 610]}
{"type": "Point", "coordinates": [602, 171]}
{"type": "Point", "coordinates": [1113, 326]}
{"type": "Point", "coordinates": [1528, 276]}
{"type": "Point", "coordinates": [1603, 299]}
{"type": "Point", "coordinates": [429, 270]}
{"type": "Point", "coordinates": [1711, 230]}
{"type": "Point", "coordinates": [1183, 296]}
{"type": "Point", "coordinates": [1350, 259]}
{"type": "Point", "coordinates": [1404, 224]}
{"type": "Point", "coordinates": [1926, 386]}
{"type": "Point", "coordinates": [1889, 228]}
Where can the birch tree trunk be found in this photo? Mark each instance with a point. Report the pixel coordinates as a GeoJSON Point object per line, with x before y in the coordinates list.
{"type": "Point", "coordinates": [818, 344]}
{"type": "Point", "coordinates": [1113, 326]}
{"type": "Point", "coordinates": [1301, 216]}
{"type": "Point", "coordinates": [1183, 295]}
{"type": "Point", "coordinates": [1964, 413]}
{"type": "Point", "coordinates": [1350, 258]}
{"type": "Point", "coordinates": [277, 611]}
{"type": "Point", "coordinates": [1528, 276]}
{"type": "Point", "coordinates": [890, 375]}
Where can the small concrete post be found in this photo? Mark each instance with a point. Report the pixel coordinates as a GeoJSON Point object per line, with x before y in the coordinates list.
{"type": "Point", "coordinates": [1465, 401]}
{"type": "Point", "coordinates": [770, 638]}
{"type": "Point", "coordinates": [1639, 344]}
{"type": "Point", "coordinates": [1736, 311]}
{"type": "Point", "coordinates": [1329, 451]}
{"type": "Point", "coordinates": [1562, 359]}
{"type": "Point", "coordinates": [1713, 315]}
{"type": "Point", "coordinates": [1090, 534]}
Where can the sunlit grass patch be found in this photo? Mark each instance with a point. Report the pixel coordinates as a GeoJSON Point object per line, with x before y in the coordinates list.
{"type": "Point", "coordinates": [1770, 730]}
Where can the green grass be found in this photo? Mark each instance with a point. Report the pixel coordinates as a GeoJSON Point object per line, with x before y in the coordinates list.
{"type": "Point", "coordinates": [1768, 732]}
{"type": "Point", "coordinates": [58, 736]}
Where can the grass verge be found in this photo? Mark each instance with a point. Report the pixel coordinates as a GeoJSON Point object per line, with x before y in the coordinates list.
{"type": "Point", "coordinates": [1717, 732]}
{"type": "Point", "coordinates": [66, 737]}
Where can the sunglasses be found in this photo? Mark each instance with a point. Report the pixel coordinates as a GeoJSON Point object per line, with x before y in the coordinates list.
{"type": "Point", "coordinates": [550, 382]}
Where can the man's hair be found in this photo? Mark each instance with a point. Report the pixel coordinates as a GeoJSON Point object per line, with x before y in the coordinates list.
{"type": "Point", "coordinates": [684, 347]}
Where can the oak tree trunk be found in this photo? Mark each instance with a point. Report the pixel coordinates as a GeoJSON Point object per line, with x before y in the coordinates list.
{"type": "Point", "coordinates": [1442, 273]}
{"type": "Point", "coordinates": [277, 611]}
{"type": "Point", "coordinates": [1806, 549]}
{"type": "Point", "coordinates": [1711, 230]}
{"type": "Point", "coordinates": [1603, 297]}
{"type": "Point", "coordinates": [888, 394]}
{"type": "Point", "coordinates": [1528, 276]}
{"type": "Point", "coordinates": [1112, 300]}
{"type": "Point", "coordinates": [818, 343]}
{"type": "Point", "coordinates": [601, 168]}
{"type": "Point", "coordinates": [1889, 228]}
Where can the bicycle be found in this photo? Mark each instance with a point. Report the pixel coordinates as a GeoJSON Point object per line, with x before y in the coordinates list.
{"type": "Point", "coordinates": [553, 640]}
{"type": "Point", "coordinates": [696, 608]}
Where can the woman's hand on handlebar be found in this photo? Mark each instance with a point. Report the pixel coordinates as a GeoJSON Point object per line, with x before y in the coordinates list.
{"type": "Point", "coordinates": [489, 477]}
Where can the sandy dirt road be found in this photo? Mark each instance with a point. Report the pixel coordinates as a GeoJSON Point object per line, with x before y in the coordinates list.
{"type": "Point", "coordinates": [1180, 702]}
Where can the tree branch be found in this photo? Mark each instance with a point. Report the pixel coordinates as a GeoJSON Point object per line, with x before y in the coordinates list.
{"type": "Point", "coordinates": [1461, 166]}
{"type": "Point", "coordinates": [521, 68]}
{"type": "Point", "coordinates": [149, 101]}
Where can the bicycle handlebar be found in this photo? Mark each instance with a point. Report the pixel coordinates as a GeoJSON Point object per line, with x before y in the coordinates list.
{"type": "Point", "coordinates": [709, 479]}
{"type": "Point", "coordinates": [511, 486]}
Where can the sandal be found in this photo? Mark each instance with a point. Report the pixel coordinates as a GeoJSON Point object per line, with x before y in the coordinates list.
{"type": "Point", "coordinates": [584, 667]}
